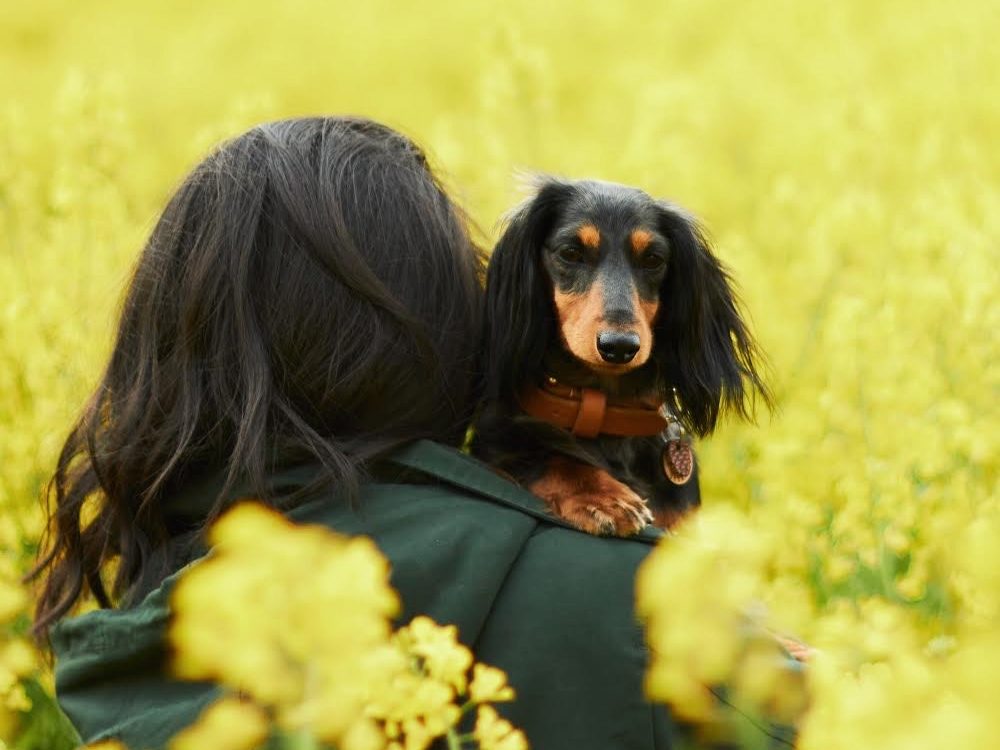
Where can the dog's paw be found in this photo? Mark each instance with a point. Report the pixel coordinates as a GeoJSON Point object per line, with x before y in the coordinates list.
{"type": "Point", "coordinates": [591, 499]}
{"type": "Point", "coordinates": [623, 514]}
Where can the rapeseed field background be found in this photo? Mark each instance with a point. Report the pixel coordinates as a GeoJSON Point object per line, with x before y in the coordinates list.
{"type": "Point", "coordinates": [845, 159]}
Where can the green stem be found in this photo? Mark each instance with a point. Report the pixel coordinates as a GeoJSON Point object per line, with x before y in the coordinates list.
{"type": "Point", "coordinates": [302, 740]}
{"type": "Point", "coordinates": [454, 741]}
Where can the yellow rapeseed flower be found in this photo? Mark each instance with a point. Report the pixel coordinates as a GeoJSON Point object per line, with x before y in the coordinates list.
{"type": "Point", "coordinates": [311, 670]}
{"type": "Point", "coordinates": [495, 733]}
{"type": "Point", "coordinates": [442, 656]}
{"type": "Point", "coordinates": [489, 685]}
{"type": "Point", "coordinates": [228, 724]}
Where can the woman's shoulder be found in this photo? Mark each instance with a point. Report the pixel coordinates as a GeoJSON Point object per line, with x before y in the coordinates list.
{"type": "Point", "coordinates": [464, 508]}
{"type": "Point", "coordinates": [466, 547]}
{"type": "Point", "coordinates": [465, 537]}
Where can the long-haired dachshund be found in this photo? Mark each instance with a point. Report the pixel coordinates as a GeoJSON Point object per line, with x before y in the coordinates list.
{"type": "Point", "coordinates": [612, 333]}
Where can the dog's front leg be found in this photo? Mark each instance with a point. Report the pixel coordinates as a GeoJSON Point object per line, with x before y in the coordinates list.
{"type": "Point", "coordinates": [590, 498]}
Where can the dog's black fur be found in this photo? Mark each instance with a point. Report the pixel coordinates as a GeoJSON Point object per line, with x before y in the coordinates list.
{"type": "Point", "coordinates": [701, 359]}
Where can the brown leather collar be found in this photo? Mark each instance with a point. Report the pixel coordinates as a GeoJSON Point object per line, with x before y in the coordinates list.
{"type": "Point", "coordinates": [585, 411]}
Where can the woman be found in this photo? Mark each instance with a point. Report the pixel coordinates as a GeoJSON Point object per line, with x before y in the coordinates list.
{"type": "Point", "coordinates": [310, 297]}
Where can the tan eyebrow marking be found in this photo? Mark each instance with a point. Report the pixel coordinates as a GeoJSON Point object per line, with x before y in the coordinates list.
{"type": "Point", "coordinates": [589, 235]}
{"type": "Point", "coordinates": [641, 239]}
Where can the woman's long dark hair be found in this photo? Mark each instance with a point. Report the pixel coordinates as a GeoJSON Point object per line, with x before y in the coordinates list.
{"type": "Point", "coordinates": [310, 293]}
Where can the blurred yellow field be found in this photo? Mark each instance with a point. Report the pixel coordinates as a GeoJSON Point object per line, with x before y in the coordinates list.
{"type": "Point", "coordinates": [844, 158]}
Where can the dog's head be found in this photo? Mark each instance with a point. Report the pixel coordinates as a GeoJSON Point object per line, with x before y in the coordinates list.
{"type": "Point", "coordinates": [626, 285]}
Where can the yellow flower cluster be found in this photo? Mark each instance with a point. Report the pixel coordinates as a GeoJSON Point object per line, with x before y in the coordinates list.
{"type": "Point", "coordinates": [316, 656]}
{"type": "Point", "coordinates": [843, 155]}
{"type": "Point", "coordinates": [18, 659]}
{"type": "Point", "coordinates": [284, 654]}
{"type": "Point", "coordinates": [710, 574]}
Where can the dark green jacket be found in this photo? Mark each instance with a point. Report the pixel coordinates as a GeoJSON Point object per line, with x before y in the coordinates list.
{"type": "Point", "coordinates": [551, 606]}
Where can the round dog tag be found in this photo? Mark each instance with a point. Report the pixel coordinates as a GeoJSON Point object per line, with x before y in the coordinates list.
{"type": "Point", "coordinates": [678, 461]}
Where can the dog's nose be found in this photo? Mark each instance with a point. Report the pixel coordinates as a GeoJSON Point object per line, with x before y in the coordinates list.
{"type": "Point", "coordinates": [617, 347]}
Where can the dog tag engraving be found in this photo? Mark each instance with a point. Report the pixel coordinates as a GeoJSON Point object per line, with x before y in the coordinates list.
{"type": "Point", "coordinates": [678, 460]}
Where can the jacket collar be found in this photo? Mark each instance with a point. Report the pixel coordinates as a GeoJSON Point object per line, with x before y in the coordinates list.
{"type": "Point", "coordinates": [467, 473]}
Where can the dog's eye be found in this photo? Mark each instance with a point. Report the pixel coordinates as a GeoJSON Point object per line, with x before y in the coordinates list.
{"type": "Point", "coordinates": [652, 262]}
{"type": "Point", "coordinates": [570, 254]}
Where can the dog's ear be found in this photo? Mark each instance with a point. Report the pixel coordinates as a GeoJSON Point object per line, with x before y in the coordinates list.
{"type": "Point", "coordinates": [706, 354]}
{"type": "Point", "coordinates": [519, 316]}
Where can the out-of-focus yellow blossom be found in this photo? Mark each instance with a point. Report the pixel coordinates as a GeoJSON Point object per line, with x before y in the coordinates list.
{"type": "Point", "coordinates": [715, 569]}
{"type": "Point", "coordinates": [106, 745]}
{"type": "Point", "coordinates": [18, 659]}
{"type": "Point", "coordinates": [18, 656]}
{"type": "Point", "coordinates": [765, 681]}
{"type": "Point", "coordinates": [12, 600]}
{"type": "Point", "coordinates": [363, 735]}
{"type": "Point", "coordinates": [489, 685]}
{"type": "Point", "coordinates": [313, 671]}
{"type": "Point", "coordinates": [495, 733]}
{"type": "Point", "coordinates": [228, 724]}
{"type": "Point", "coordinates": [345, 679]}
